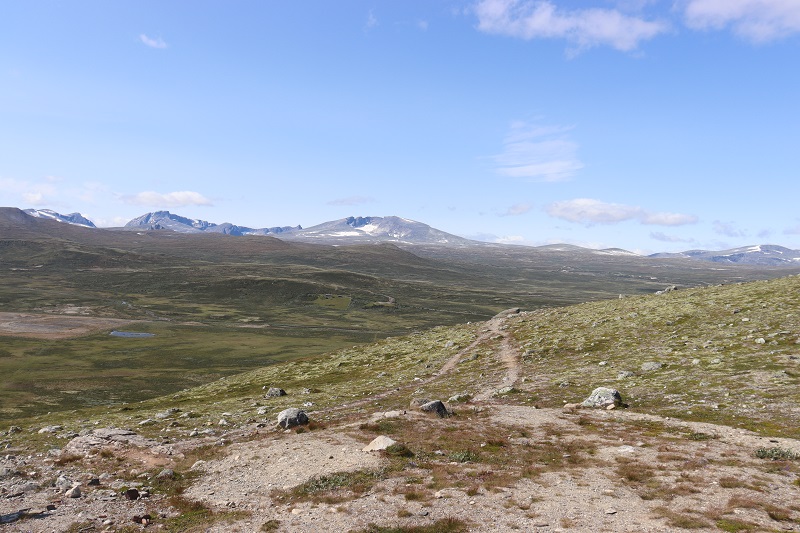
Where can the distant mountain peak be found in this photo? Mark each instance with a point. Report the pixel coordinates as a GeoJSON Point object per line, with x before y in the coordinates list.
{"type": "Point", "coordinates": [164, 220]}
{"type": "Point", "coordinates": [759, 254]}
{"type": "Point", "coordinates": [373, 229]}
{"type": "Point", "coordinates": [76, 219]}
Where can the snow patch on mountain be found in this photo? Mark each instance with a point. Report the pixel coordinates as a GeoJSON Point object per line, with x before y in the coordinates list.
{"type": "Point", "coordinates": [76, 219]}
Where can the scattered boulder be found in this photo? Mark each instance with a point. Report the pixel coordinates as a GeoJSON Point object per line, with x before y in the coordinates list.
{"type": "Point", "coordinates": [289, 418]}
{"type": "Point", "coordinates": [458, 398]}
{"type": "Point", "coordinates": [602, 397]}
{"type": "Point", "coordinates": [167, 413]}
{"type": "Point", "coordinates": [50, 429]}
{"type": "Point", "coordinates": [625, 374]}
{"type": "Point", "coordinates": [651, 366]}
{"type": "Point", "coordinates": [508, 312]}
{"type": "Point", "coordinates": [436, 406]}
{"type": "Point", "coordinates": [379, 443]}
{"type": "Point", "coordinates": [167, 473]}
{"type": "Point", "coordinates": [274, 392]}
{"type": "Point", "coordinates": [74, 492]}
{"type": "Point", "coordinates": [419, 402]}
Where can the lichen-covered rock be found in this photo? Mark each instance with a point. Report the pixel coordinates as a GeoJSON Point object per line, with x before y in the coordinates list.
{"type": "Point", "coordinates": [603, 397]}
{"type": "Point", "coordinates": [651, 366]}
{"type": "Point", "coordinates": [274, 392]}
{"type": "Point", "coordinates": [289, 418]}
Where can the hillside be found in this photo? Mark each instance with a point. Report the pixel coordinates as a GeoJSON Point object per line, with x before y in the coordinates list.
{"type": "Point", "coordinates": [707, 438]}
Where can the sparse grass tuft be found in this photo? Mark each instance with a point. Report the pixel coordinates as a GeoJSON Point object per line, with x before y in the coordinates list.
{"type": "Point", "coordinates": [776, 454]}
{"type": "Point", "coordinates": [445, 525]}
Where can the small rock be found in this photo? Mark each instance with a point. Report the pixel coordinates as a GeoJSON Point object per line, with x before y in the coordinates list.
{"type": "Point", "coordinates": [603, 397]}
{"type": "Point", "coordinates": [625, 374]}
{"type": "Point", "coordinates": [274, 392]}
{"type": "Point", "coordinates": [131, 494]}
{"type": "Point", "coordinates": [167, 473]}
{"type": "Point", "coordinates": [611, 511]}
{"type": "Point", "coordinates": [74, 492]}
{"type": "Point", "coordinates": [418, 402]}
{"type": "Point", "coordinates": [651, 366]}
{"type": "Point", "coordinates": [379, 443]}
{"type": "Point", "coordinates": [50, 429]}
{"type": "Point", "coordinates": [292, 417]}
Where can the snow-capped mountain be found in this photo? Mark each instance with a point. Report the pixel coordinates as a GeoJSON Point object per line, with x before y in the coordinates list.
{"type": "Point", "coordinates": [762, 254]}
{"type": "Point", "coordinates": [73, 218]}
{"type": "Point", "coordinates": [165, 220]}
{"type": "Point", "coordinates": [352, 230]}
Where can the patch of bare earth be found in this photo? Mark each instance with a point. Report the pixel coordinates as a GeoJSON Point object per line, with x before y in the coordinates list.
{"type": "Point", "coordinates": [47, 326]}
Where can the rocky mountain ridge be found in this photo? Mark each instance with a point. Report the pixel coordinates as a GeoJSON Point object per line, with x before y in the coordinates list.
{"type": "Point", "coordinates": [164, 220]}
{"type": "Point", "coordinates": [760, 254]}
{"type": "Point", "coordinates": [76, 219]}
{"type": "Point", "coordinates": [403, 231]}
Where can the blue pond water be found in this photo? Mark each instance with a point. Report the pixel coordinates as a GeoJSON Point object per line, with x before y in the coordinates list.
{"type": "Point", "coordinates": [131, 334]}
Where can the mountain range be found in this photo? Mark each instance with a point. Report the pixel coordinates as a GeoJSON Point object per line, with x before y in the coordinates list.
{"type": "Point", "coordinates": [372, 230]}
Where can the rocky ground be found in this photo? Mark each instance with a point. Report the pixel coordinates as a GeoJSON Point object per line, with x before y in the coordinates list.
{"type": "Point", "coordinates": [493, 464]}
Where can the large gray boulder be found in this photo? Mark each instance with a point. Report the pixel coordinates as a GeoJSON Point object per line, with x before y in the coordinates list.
{"type": "Point", "coordinates": [289, 418]}
{"type": "Point", "coordinates": [603, 397]}
{"type": "Point", "coordinates": [437, 407]}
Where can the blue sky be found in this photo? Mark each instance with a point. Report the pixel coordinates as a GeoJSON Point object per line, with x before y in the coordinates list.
{"type": "Point", "coordinates": [650, 125]}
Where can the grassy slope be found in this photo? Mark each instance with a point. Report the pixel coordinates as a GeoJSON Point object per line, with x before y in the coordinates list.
{"type": "Point", "coordinates": [753, 385]}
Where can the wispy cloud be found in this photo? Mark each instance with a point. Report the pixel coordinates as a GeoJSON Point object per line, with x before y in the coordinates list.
{"type": "Point", "coordinates": [170, 199]}
{"type": "Point", "coordinates": [352, 200]}
{"type": "Point", "coordinates": [663, 237]}
{"type": "Point", "coordinates": [728, 229]}
{"type": "Point", "coordinates": [422, 25]}
{"type": "Point", "coordinates": [517, 209]}
{"type": "Point", "coordinates": [372, 20]}
{"type": "Point", "coordinates": [35, 193]}
{"type": "Point", "coordinates": [538, 153]}
{"type": "Point", "coordinates": [156, 42]}
{"type": "Point", "coordinates": [590, 212]}
{"type": "Point", "coordinates": [792, 231]}
{"type": "Point", "coordinates": [581, 28]}
{"type": "Point", "coordinates": [756, 20]}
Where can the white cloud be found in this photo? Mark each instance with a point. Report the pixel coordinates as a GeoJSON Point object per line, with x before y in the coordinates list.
{"type": "Point", "coordinates": [589, 212]}
{"type": "Point", "coordinates": [170, 199]}
{"type": "Point", "coordinates": [582, 28]}
{"type": "Point", "coordinates": [756, 20]}
{"type": "Point", "coordinates": [663, 237]}
{"type": "Point", "coordinates": [538, 153]}
{"type": "Point", "coordinates": [728, 229]}
{"type": "Point", "coordinates": [352, 200]}
{"type": "Point", "coordinates": [157, 42]}
{"type": "Point", "coordinates": [518, 209]}
{"type": "Point", "coordinates": [511, 239]}
{"type": "Point", "coordinates": [667, 219]}
{"type": "Point", "coordinates": [32, 193]}
{"type": "Point", "coordinates": [372, 20]}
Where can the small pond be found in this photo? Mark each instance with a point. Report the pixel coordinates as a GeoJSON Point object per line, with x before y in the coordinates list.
{"type": "Point", "coordinates": [131, 334]}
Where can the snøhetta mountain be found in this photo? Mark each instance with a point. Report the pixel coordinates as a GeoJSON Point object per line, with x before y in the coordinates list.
{"type": "Point", "coordinates": [364, 230]}
{"type": "Point", "coordinates": [165, 220]}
